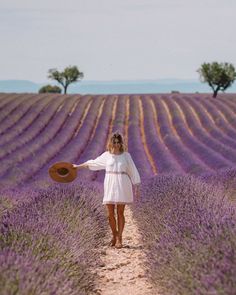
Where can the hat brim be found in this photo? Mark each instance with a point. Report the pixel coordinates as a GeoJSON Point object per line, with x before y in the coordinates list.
{"type": "Point", "coordinates": [62, 172]}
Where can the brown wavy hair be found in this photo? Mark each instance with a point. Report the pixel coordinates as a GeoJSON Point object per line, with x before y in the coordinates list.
{"type": "Point", "coordinates": [116, 135]}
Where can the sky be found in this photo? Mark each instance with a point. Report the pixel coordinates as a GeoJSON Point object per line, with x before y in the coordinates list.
{"type": "Point", "coordinates": [115, 39]}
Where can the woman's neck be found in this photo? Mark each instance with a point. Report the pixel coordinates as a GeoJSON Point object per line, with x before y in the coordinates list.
{"type": "Point", "coordinates": [116, 152]}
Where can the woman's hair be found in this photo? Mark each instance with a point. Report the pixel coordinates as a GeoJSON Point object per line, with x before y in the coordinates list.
{"type": "Point", "coordinates": [118, 136]}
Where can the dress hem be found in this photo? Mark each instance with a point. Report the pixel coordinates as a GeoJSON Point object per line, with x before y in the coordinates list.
{"type": "Point", "coordinates": [114, 203]}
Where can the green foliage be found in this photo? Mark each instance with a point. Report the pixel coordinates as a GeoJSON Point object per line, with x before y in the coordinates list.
{"type": "Point", "coordinates": [219, 76]}
{"type": "Point", "coordinates": [50, 89]}
{"type": "Point", "coordinates": [70, 75]}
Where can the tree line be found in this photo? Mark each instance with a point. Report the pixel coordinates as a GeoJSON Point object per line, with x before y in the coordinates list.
{"type": "Point", "coordinates": [219, 76]}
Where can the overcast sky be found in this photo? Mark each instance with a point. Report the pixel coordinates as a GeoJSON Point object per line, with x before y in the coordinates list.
{"type": "Point", "coordinates": [115, 39]}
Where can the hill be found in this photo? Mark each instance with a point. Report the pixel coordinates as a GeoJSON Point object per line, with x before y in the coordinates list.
{"type": "Point", "coordinates": [185, 133]}
{"type": "Point", "coordinates": [180, 233]}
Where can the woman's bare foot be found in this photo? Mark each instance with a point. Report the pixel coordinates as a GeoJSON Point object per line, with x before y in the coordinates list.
{"type": "Point", "coordinates": [113, 240]}
{"type": "Point", "coordinates": [118, 244]}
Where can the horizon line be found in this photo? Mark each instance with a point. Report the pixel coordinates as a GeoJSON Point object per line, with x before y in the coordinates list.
{"type": "Point", "coordinates": [112, 80]}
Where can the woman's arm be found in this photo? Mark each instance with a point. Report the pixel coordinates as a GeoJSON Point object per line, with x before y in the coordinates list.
{"type": "Point", "coordinates": [94, 164]}
{"type": "Point", "coordinates": [133, 171]}
{"type": "Point", "coordinates": [81, 166]}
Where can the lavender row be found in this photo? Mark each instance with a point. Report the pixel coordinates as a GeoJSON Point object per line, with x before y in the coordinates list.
{"type": "Point", "coordinates": [77, 144]}
{"type": "Point", "coordinates": [22, 124]}
{"type": "Point", "coordinates": [202, 136]}
{"type": "Point", "coordinates": [191, 240]}
{"type": "Point", "coordinates": [96, 146]}
{"type": "Point", "coordinates": [135, 144]}
{"type": "Point", "coordinates": [60, 133]}
{"type": "Point", "coordinates": [3, 98]}
{"type": "Point", "coordinates": [230, 103]}
{"type": "Point", "coordinates": [6, 98]}
{"type": "Point", "coordinates": [219, 121]}
{"type": "Point", "coordinates": [46, 242]}
{"type": "Point", "coordinates": [28, 146]}
{"type": "Point", "coordinates": [187, 160]}
{"type": "Point", "coordinates": [40, 125]}
{"type": "Point", "coordinates": [164, 160]}
{"type": "Point", "coordinates": [209, 126]}
{"type": "Point", "coordinates": [120, 114]}
{"type": "Point", "coordinates": [230, 97]}
{"type": "Point", "coordinates": [18, 113]}
{"type": "Point", "coordinates": [209, 157]}
{"type": "Point", "coordinates": [27, 164]}
{"type": "Point", "coordinates": [13, 104]}
{"type": "Point", "coordinates": [227, 111]}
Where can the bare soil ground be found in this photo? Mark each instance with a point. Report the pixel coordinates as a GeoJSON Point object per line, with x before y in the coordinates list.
{"type": "Point", "coordinates": [122, 270]}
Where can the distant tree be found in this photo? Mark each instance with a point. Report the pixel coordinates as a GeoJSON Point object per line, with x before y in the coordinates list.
{"type": "Point", "coordinates": [50, 89]}
{"type": "Point", "coordinates": [219, 76]}
{"type": "Point", "coordinates": [70, 75]}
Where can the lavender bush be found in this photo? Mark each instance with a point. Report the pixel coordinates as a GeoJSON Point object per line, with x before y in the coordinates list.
{"type": "Point", "coordinates": [48, 241]}
{"type": "Point", "coordinates": [189, 227]}
{"type": "Point", "coordinates": [225, 178]}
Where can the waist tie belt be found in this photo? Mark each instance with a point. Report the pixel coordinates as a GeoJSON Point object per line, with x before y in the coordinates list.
{"type": "Point", "coordinates": [117, 172]}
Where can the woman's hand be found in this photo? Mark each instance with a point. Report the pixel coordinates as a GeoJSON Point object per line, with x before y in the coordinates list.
{"type": "Point", "coordinates": [137, 191]}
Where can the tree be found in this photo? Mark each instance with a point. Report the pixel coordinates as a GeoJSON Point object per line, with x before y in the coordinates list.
{"type": "Point", "coordinates": [50, 89]}
{"type": "Point", "coordinates": [66, 77]}
{"type": "Point", "coordinates": [219, 76]}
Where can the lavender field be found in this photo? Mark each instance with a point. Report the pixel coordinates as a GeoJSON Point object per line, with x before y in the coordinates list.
{"type": "Point", "coordinates": [184, 146]}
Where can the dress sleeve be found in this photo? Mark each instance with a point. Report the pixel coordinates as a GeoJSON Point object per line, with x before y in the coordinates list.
{"type": "Point", "coordinates": [133, 171]}
{"type": "Point", "coordinates": [97, 164]}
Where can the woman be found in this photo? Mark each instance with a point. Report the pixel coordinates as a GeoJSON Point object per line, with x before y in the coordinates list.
{"type": "Point", "coordinates": [121, 174]}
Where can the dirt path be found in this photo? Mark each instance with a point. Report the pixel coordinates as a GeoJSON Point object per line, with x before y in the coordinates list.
{"type": "Point", "coordinates": [122, 271]}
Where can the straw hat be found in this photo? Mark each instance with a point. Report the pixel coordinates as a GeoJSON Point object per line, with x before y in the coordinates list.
{"type": "Point", "coordinates": [62, 172]}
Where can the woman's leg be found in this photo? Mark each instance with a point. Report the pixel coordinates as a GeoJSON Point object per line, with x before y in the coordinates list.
{"type": "Point", "coordinates": [112, 221]}
{"type": "Point", "coordinates": [121, 223]}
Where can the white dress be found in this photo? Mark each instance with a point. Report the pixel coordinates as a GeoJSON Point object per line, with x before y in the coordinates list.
{"type": "Point", "coordinates": [117, 186]}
